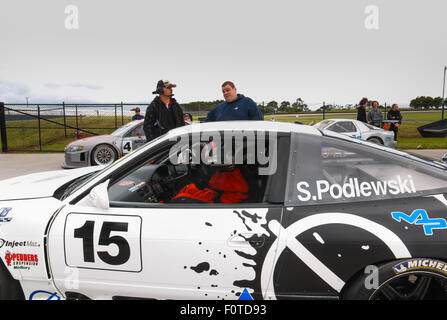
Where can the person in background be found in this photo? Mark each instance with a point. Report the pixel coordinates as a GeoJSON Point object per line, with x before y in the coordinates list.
{"type": "Point", "coordinates": [188, 118]}
{"type": "Point", "coordinates": [235, 107]}
{"type": "Point", "coordinates": [361, 110]}
{"type": "Point", "coordinates": [164, 113]}
{"type": "Point", "coordinates": [394, 114]}
{"type": "Point", "coordinates": [137, 115]}
{"type": "Point", "coordinates": [375, 115]}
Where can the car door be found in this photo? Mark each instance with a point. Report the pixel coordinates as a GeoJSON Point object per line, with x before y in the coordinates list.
{"type": "Point", "coordinates": [346, 205]}
{"type": "Point", "coordinates": [162, 250]}
{"type": "Point", "coordinates": [133, 139]}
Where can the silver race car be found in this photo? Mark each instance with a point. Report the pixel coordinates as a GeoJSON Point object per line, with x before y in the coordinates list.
{"type": "Point", "coordinates": [104, 149]}
{"type": "Point", "coordinates": [358, 130]}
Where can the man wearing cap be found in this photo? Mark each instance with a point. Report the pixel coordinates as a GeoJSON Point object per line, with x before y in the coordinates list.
{"type": "Point", "coordinates": [137, 115]}
{"type": "Point", "coordinates": [235, 107]}
{"type": "Point", "coordinates": [164, 113]}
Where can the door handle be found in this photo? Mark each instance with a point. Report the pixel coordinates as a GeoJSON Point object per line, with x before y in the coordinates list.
{"type": "Point", "coordinates": [246, 240]}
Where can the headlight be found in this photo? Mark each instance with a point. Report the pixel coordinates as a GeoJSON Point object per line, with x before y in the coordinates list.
{"type": "Point", "coordinates": [74, 148]}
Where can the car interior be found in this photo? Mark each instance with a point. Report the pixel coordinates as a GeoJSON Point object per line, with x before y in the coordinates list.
{"type": "Point", "coordinates": [160, 178]}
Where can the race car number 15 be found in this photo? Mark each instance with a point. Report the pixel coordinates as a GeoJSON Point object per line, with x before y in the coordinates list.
{"type": "Point", "coordinates": [103, 242]}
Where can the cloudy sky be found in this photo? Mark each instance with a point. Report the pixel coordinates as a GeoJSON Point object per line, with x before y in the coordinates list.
{"type": "Point", "coordinates": [272, 50]}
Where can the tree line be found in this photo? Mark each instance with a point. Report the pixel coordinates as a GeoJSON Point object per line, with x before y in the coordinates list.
{"type": "Point", "coordinates": [297, 106]}
{"type": "Point", "coordinates": [427, 103]}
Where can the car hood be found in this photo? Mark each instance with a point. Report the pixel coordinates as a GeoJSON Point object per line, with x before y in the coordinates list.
{"type": "Point", "coordinates": [92, 140]}
{"type": "Point", "coordinates": [39, 185]}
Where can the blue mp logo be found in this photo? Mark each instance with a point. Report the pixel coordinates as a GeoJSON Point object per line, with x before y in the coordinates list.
{"type": "Point", "coordinates": [420, 217]}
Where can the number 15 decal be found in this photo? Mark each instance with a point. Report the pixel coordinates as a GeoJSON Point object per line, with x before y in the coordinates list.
{"type": "Point", "coordinates": [106, 242]}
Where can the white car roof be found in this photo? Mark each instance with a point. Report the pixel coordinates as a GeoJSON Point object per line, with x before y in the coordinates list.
{"type": "Point", "coordinates": [246, 126]}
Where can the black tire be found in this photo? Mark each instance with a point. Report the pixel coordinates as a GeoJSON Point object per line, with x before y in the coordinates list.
{"type": "Point", "coordinates": [103, 154]}
{"type": "Point", "coordinates": [417, 283]}
{"type": "Point", "coordinates": [10, 289]}
{"type": "Point", "coordinates": [376, 140]}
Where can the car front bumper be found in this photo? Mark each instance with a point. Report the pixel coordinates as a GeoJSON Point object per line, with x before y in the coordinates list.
{"type": "Point", "coordinates": [77, 159]}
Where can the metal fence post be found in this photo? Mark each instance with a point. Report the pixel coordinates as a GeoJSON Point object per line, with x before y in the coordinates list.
{"type": "Point", "coordinates": [77, 123]}
{"type": "Point", "coordinates": [65, 120]}
{"type": "Point", "coordinates": [122, 114]}
{"type": "Point", "coordinates": [3, 128]}
{"type": "Point", "coordinates": [116, 118]}
{"type": "Point", "coordinates": [40, 134]}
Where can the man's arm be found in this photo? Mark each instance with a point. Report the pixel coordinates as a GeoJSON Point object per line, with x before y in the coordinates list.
{"type": "Point", "coordinates": [211, 116]}
{"type": "Point", "coordinates": [149, 120]}
{"type": "Point", "coordinates": [253, 111]}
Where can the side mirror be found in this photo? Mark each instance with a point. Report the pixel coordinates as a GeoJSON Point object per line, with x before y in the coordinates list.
{"type": "Point", "coordinates": [98, 197]}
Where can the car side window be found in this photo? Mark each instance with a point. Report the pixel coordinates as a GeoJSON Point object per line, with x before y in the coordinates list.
{"type": "Point", "coordinates": [205, 171]}
{"type": "Point", "coordinates": [137, 131]}
{"type": "Point", "coordinates": [343, 126]}
{"type": "Point", "coordinates": [330, 170]}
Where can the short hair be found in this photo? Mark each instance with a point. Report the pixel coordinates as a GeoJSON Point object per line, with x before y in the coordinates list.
{"type": "Point", "coordinates": [228, 83]}
{"type": "Point", "coordinates": [395, 104]}
{"type": "Point", "coordinates": [363, 101]}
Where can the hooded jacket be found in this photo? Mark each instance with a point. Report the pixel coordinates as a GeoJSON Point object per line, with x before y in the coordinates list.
{"type": "Point", "coordinates": [159, 119]}
{"type": "Point", "coordinates": [243, 108]}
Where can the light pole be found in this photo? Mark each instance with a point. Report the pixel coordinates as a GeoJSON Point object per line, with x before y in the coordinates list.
{"type": "Point", "coordinates": [443, 91]}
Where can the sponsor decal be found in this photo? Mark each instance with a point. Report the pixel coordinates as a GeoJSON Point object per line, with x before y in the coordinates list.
{"type": "Point", "coordinates": [420, 264]}
{"type": "Point", "coordinates": [127, 183]}
{"type": "Point", "coordinates": [353, 188]}
{"type": "Point", "coordinates": [12, 244]}
{"type": "Point", "coordinates": [21, 260]}
{"type": "Point", "coordinates": [137, 187]}
{"type": "Point", "coordinates": [44, 295]}
{"type": "Point", "coordinates": [3, 213]}
{"type": "Point", "coordinates": [420, 217]}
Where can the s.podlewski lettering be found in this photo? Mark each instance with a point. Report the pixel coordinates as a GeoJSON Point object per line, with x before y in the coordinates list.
{"type": "Point", "coordinates": [353, 188]}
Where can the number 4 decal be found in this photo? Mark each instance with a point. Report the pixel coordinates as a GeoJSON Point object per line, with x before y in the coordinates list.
{"type": "Point", "coordinates": [106, 242]}
{"type": "Point", "coordinates": [127, 146]}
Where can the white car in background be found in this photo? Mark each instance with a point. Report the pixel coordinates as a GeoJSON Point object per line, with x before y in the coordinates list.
{"type": "Point", "coordinates": [359, 130]}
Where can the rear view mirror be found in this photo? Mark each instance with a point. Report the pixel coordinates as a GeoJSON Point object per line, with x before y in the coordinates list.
{"type": "Point", "coordinates": [444, 158]}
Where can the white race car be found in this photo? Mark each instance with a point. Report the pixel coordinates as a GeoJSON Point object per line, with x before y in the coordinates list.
{"type": "Point", "coordinates": [229, 210]}
{"type": "Point", "coordinates": [359, 130]}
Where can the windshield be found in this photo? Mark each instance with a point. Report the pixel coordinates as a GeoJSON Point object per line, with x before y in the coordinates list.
{"type": "Point", "coordinates": [70, 188]}
{"type": "Point", "coordinates": [64, 191]}
{"type": "Point", "coordinates": [323, 124]}
{"type": "Point", "coordinates": [120, 131]}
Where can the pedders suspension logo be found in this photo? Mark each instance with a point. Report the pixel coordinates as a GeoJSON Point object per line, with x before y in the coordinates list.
{"type": "Point", "coordinates": [20, 260]}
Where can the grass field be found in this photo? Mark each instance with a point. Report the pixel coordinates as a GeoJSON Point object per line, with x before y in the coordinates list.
{"type": "Point", "coordinates": [24, 135]}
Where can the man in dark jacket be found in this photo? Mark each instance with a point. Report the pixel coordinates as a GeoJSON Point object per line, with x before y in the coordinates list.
{"type": "Point", "coordinates": [361, 110]}
{"type": "Point", "coordinates": [164, 113]}
{"type": "Point", "coordinates": [235, 107]}
{"type": "Point", "coordinates": [394, 114]}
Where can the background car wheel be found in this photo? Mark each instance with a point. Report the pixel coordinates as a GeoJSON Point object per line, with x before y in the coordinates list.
{"type": "Point", "coordinates": [376, 141]}
{"type": "Point", "coordinates": [103, 154]}
{"type": "Point", "coordinates": [10, 288]}
{"type": "Point", "coordinates": [421, 283]}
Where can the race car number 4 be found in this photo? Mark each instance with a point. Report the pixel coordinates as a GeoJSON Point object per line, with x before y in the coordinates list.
{"type": "Point", "coordinates": [106, 242]}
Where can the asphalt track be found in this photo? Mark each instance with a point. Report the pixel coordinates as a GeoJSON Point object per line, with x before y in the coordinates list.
{"type": "Point", "coordinates": [13, 165]}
